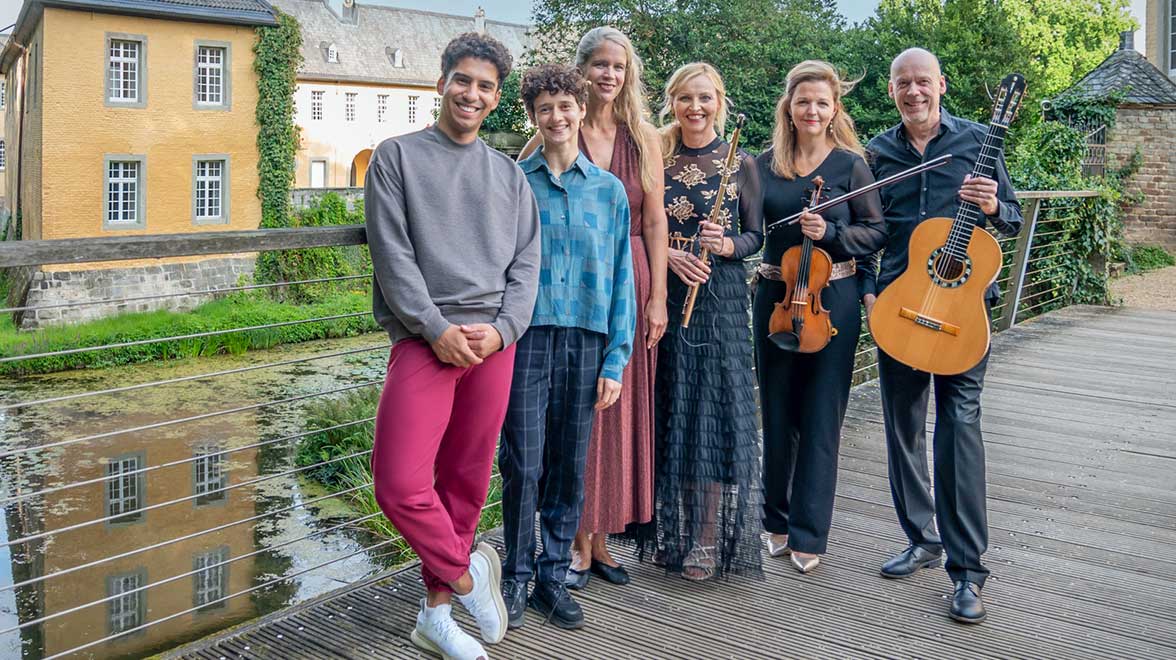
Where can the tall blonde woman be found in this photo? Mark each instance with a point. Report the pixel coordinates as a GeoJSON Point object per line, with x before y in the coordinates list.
{"type": "Point", "coordinates": [804, 395]}
{"type": "Point", "coordinates": [618, 482]}
{"type": "Point", "coordinates": [708, 460]}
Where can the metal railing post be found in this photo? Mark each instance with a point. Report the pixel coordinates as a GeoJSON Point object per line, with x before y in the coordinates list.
{"type": "Point", "coordinates": [1012, 294]}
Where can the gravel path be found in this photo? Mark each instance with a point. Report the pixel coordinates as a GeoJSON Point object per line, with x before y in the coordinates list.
{"type": "Point", "coordinates": [1153, 290]}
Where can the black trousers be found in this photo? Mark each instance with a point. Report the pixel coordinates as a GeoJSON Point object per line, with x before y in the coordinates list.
{"type": "Point", "coordinates": [803, 397]}
{"type": "Point", "coordinates": [959, 502]}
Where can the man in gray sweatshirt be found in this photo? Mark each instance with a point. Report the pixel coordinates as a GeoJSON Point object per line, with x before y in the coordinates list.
{"type": "Point", "coordinates": [454, 234]}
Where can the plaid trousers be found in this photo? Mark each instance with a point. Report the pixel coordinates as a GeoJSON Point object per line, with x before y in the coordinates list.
{"type": "Point", "coordinates": [544, 448]}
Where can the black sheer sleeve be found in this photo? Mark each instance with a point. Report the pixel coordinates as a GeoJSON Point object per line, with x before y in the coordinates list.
{"type": "Point", "coordinates": [751, 209]}
{"type": "Point", "coordinates": [866, 231]}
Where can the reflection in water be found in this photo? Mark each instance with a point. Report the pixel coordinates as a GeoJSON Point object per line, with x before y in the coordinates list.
{"type": "Point", "coordinates": [138, 506]}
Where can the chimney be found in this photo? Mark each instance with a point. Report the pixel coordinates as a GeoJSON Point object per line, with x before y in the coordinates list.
{"type": "Point", "coordinates": [1127, 40]}
{"type": "Point", "coordinates": [480, 21]}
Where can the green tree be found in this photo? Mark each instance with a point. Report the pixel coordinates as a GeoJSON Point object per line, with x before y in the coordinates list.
{"type": "Point", "coordinates": [974, 40]}
{"type": "Point", "coordinates": [510, 116]}
{"type": "Point", "coordinates": [1065, 39]}
{"type": "Point", "coordinates": [753, 43]}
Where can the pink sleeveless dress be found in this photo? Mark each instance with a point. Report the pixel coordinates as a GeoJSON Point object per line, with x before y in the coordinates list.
{"type": "Point", "coordinates": [618, 481]}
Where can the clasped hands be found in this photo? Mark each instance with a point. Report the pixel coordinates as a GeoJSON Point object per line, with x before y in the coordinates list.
{"type": "Point", "coordinates": [469, 345]}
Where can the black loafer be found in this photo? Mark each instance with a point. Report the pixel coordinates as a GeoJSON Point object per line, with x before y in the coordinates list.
{"type": "Point", "coordinates": [576, 580]}
{"type": "Point", "coordinates": [910, 560]}
{"type": "Point", "coordinates": [552, 600]}
{"type": "Point", "coordinates": [611, 574]}
{"type": "Point", "coordinates": [967, 606]}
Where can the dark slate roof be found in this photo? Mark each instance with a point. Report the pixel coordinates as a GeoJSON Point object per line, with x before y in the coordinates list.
{"type": "Point", "coordinates": [1126, 71]}
{"type": "Point", "coordinates": [233, 12]}
{"type": "Point", "coordinates": [366, 40]}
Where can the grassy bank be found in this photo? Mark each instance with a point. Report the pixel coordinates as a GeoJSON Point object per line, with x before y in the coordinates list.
{"type": "Point", "coordinates": [244, 309]}
{"type": "Point", "coordinates": [353, 472]}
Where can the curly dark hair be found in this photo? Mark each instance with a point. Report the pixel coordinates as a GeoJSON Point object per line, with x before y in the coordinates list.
{"type": "Point", "coordinates": [480, 46]}
{"type": "Point", "coordinates": [553, 79]}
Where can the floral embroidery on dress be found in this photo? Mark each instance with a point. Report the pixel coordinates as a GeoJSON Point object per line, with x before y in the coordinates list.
{"type": "Point", "coordinates": [680, 209]}
{"type": "Point", "coordinates": [720, 166]}
{"type": "Point", "coordinates": [690, 176]}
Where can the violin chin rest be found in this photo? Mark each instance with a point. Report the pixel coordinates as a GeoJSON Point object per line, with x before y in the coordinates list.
{"type": "Point", "coordinates": [785, 341]}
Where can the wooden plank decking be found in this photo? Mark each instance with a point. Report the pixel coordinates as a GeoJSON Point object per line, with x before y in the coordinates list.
{"type": "Point", "coordinates": [1080, 429]}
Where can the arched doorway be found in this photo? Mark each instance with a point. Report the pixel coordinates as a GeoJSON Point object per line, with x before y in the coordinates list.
{"type": "Point", "coordinates": [359, 166]}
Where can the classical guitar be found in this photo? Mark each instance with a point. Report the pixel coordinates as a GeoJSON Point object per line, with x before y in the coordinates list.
{"type": "Point", "coordinates": [933, 316]}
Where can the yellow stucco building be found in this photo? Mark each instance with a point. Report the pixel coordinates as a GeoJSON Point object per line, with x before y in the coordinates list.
{"type": "Point", "coordinates": [133, 118]}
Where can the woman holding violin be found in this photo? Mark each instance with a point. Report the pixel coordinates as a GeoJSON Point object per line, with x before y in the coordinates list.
{"type": "Point", "coordinates": [708, 456]}
{"type": "Point", "coordinates": [806, 318]}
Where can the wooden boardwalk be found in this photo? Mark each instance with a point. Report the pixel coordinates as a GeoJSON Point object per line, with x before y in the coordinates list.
{"type": "Point", "coordinates": [1080, 430]}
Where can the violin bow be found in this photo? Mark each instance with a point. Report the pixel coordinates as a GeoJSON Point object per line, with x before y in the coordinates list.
{"type": "Point", "coordinates": [893, 178]}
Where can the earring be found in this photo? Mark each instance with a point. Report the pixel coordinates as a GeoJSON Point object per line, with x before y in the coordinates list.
{"type": "Point", "coordinates": [829, 128]}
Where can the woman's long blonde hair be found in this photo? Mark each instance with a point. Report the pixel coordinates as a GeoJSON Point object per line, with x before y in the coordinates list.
{"type": "Point", "coordinates": [841, 134]}
{"type": "Point", "coordinates": [671, 130]}
{"type": "Point", "coordinates": [630, 107]}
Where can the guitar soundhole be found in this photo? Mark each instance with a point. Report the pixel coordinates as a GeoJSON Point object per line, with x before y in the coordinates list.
{"type": "Point", "coordinates": [948, 270]}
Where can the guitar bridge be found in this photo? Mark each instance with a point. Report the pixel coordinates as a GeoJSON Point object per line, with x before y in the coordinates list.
{"type": "Point", "coordinates": [928, 322]}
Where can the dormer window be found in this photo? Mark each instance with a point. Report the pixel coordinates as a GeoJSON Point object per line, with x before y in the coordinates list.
{"type": "Point", "coordinates": [332, 54]}
{"type": "Point", "coordinates": [395, 56]}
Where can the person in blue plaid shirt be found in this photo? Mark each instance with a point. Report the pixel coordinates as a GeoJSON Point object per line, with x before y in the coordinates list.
{"type": "Point", "coordinates": [570, 360]}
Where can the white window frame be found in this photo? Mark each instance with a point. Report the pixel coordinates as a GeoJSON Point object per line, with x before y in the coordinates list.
{"type": "Point", "coordinates": [381, 108]}
{"type": "Point", "coordinates": [114, 94]}
{"type": "Point", "coordinates": [125, 494]}
{"type": "Point", "coordinates": [210, 582]}
{"type": "Point", "coordinates": [350, 100]}
{"type": "Point", "coordinates": [203, 178]}
{"type": "Point", "coordinates": [211, 81]}
{"type": "Point", "coordinates": [412, 108]}
{"type": "Point", "coordinates": [1169, 30]}
{"type": "Point", "coordinates": [3, 94]}
{"type": "Point", "coordinates": [139, 191]}
{"type": "Point", "coordinates": [3, 156]}
{"type": "Point", "coordinates": [210, 475]}
{"type": "Point", "coordinates": [316, 104]}
{"type": "Point", "coordinates": [333, 54]}
{"type": "Point", "coordinates": [129, 610]}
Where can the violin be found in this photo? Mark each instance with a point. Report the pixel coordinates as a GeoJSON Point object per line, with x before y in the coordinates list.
{"type": "Point", "coordinates": [800, 323]}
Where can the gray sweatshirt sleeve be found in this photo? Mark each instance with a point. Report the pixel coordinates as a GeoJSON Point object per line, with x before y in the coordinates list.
{"type": "Point", "coordinates": [393, 256]}
{"type": "Point", "coordinates": [522, 277]}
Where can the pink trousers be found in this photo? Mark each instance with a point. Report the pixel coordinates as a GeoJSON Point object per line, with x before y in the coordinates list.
{"type": "Point", "coordinates": [436, 432]}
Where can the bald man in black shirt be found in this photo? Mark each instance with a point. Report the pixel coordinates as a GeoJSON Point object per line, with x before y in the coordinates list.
{"type": "Point", "coordinates": [927, 131]}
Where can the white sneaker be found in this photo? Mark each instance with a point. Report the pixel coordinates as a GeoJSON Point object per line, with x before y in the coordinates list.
{"type": "Point", "coordinates": [484, 601]}
{"type": "Point", "coordinates": [437, 633]}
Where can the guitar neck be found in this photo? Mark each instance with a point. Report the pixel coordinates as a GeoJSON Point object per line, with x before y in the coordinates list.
{"type": "Point", "coordinates": [970, 215]}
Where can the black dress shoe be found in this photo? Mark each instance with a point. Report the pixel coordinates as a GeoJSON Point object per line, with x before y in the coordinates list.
{"type": "Point", "coordinates": [612, 574]}
{"type": "Point", "coordinates": [576, 580]}
{"type": "Point", "coordinates": [515, 596]}
{"type": "Point", "coordinates": [552, 600]}
{"type": "Point", "coordinates": [910, 560]}
{"type": "Point", "coordinates": [966, 604]}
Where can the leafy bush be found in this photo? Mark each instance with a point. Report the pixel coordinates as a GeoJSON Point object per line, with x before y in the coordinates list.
{"type": "Point", "coordinates": [1142, 258]}
{"type": "Point", "coordinates": [316, 263]}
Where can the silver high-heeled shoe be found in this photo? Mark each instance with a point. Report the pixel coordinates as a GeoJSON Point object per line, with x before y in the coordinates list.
{"type": "Point", "coordinates": [805, 565]}
{"type": "Point", "coordinates": [778, 545]}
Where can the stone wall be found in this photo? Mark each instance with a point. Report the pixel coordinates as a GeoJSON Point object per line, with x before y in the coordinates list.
{"type": "Point", "coordinates": [1153, 132]}
{"type": "Point", "coordinates": [121, 286]}
{"type": "Point", "coordinates": [303, 197]}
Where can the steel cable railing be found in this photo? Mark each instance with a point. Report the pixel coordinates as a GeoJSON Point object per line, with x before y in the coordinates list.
{"type": "Point", "coordinates": [183, 420]}
{"type": "Point", "coordinates": [184, 461]}
{"type": "Point", "coordinates": [184, 379]}
{"type": "Point", "coordinates": [250, 482]}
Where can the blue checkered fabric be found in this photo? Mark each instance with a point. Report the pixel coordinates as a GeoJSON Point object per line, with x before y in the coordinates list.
{"type": "Point", "coordinates": [544, 448]}
{"type": "Point", "coordinates": [586, 274]}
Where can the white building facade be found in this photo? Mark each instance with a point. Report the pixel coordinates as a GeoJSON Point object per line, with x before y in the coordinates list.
{"type": "Point", "coordinates": [370, 73]}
